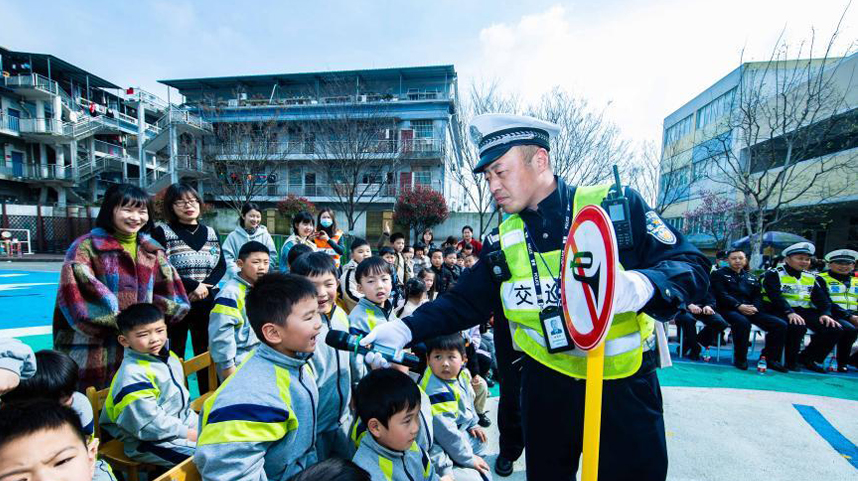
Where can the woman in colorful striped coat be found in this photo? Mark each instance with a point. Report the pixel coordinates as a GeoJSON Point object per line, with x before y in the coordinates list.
{"type": "Point", "coordinates": [114, 266]}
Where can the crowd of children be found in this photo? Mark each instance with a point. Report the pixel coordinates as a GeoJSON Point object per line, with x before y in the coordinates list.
{"type": "Point", "coordinates": [288, 406]}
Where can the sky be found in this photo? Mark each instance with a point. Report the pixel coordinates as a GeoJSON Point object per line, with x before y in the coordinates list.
{"type": "Point", "coordinates": [638, 60]}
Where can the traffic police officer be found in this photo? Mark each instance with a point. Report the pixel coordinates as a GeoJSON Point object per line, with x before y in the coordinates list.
{"type": "Point", "coordinates": [737, 295]}
{"type": "Point", "coordinates": [842, 300]}
{"type": "Point", "coordinates": [792, 294]}
{"type": "Point", "coordinates": [660, 271]}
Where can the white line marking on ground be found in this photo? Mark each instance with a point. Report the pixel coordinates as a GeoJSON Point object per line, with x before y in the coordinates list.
{"type": "Point", "coordinates": [25, 331]}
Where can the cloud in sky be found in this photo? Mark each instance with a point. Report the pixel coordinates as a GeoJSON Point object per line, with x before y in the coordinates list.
{"type": "Point", "coordinates": [644, 58]}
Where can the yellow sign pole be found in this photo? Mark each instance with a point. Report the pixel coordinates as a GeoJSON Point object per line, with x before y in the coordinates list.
{"type": "Point", "coordinates": [593, 412]}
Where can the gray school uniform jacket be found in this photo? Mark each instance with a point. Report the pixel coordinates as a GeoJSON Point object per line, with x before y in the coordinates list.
{"type": "Point", "coordinates": [348, 286]}
{"type": "Point", "coordinates": [81, 406]}
{"type": "Point", "coordinates": [17, 357]}
{"type": "Point", "coordinates": [333, 376]}
{"type": "Point", "coordinates": [453, 414]}
{"type": "Point", "coordinates": [425, 437]}
{"type": "Point", "coordinates": [260, 424]}
{"type": "Point", "coordinates": [385, 464]}
{"type": "Point", "coordinates": [148, 404]}
{"type": "Point", "coordinates": [363, 319]}
{"type": "Point", "coordinates": [230, 336]}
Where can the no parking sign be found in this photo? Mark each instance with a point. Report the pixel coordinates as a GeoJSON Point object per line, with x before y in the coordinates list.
{"type": "Point", "coordinates": [588, 282]}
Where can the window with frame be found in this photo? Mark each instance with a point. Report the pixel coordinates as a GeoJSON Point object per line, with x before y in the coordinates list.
{"type": "Point", "coordinates": [715, 109]}
{"type": "Point", "coordinates": [678, 130]}
{"type": "Point", "coordinates": [423, 129]}
{"type": "Point", "coordinates": [423, 177]}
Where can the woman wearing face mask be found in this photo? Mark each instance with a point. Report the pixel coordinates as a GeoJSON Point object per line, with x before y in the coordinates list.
{"type": "Point", "coordinates": [303, 232]}
{"type": "Point", "coordinates": [249, 228]}
{"type": "Point", "coordinates": [114, 266]}
{"type": "Point", "coordinates": [328, 236]}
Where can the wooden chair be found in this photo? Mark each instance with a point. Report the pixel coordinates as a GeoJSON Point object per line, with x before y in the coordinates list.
{"type": "Point", "coordinates": [184, 471]}
{"type": "Point", "coordinates": [196, 364]}
{"type": "Point", "coordinates": [113, 451]}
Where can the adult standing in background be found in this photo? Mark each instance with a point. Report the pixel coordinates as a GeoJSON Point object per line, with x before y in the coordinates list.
{"type": "Point", "coordinates": [249, 228]}
{"type": "Point", "coordinates": [114, 266]}
{"type": "Point", "coordinates": [428, 239]}
{"type": "Point", "coordinates": [468, 238]}
{"type": "Point", "coordinates": [195, 251]}
{"type": "Point", "coordinates": [303, 232]}
{"type": "Point", "coordinates": [328, 236]}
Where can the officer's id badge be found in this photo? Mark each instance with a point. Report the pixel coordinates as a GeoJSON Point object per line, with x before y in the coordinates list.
{"type": "Point", "coordinates": [557, 338]}
{"type": "Point", "coordinates": [658, 229]}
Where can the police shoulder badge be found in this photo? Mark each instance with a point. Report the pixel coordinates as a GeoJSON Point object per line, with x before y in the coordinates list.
{"type": "Point", "coordinates": [658, 229]}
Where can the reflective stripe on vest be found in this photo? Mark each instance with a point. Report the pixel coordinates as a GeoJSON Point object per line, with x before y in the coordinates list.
{"type": "Point", "coordinates": [795, 291]}
{"type": "Point", "coordinates": [238, 423]}
{"type": "Point", "coordinates": [625, 339]}
{"type": "Point", "coordinates": [841, 294]}
{"type": "Point", "coordinates": [232, 307]}
{"type": "Point", "coordinates": [117, 401]}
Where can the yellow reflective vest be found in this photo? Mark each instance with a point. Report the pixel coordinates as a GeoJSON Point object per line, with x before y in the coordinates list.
{"type": "Point", "coordinates": [844, 295]}
{"type": "Point", "coordinates": [624, 343]}
{"type": "Point", "coordinates": [796, 291]}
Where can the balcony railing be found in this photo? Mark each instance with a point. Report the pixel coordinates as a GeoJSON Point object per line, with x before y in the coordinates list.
{"type": "Point", "coordinates": [42, 126]}
{"type": "Point", "coordinates": [327, 192]}
{"type": "Point", "coordinates": [7, 122]}
{"type": "Point", "coordinates": [48, 172]}
{"type": "Point", "coordinates": [108, 148]}
{"type": "Point", "coordinates": [182, 116]}
{"type": "Point", "coordinates": [301, 100]}
{"type": "Point", "coordinates": [34, 81]}
{"type": "Point", "coordinates": [334, 149]}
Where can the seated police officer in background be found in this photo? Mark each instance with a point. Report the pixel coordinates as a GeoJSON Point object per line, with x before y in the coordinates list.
{"type": "Point", "coordinates": [518, 274]}
{"type": "Point", "coordinates": [737, 295]}
{"type": "Point", "coordinates": [792, 294]}
{"type": "Point", "coordinates": [841, 301]}
{"type": "Point", "coordinates": [693, 342]}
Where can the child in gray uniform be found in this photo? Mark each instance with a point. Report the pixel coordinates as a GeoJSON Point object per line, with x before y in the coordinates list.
{"type": "Point", "coordinates": [148, 407]}
{"type": "Point", "coordinates": [56, 380]}
{"type": "Point", "coordinates": [448, 385]}
{"type": "Point", "coordinates": [388, 403]}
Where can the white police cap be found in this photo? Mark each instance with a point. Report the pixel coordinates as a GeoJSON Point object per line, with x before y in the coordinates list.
{"type": "Point", "coordinates": [800, 248]}
{"type": "Point", "coordinates": [842, 255]}
{"type": "Point", "coordinates": [495, 134]}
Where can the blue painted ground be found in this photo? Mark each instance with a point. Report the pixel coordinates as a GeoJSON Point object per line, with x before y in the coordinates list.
{"type": "Point", "coordinates": [26, 305]}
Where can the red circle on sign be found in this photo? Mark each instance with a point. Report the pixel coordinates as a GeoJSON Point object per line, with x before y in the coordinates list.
{"type": "Point", "coordinates": [600, 315]}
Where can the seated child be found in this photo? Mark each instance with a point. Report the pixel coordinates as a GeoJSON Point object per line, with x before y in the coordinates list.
{"type": "Point", "coordinates": [56, 380]}
{"type": "Point", "coordinates": [43, 440]}
{"type": "Point", "coordinates": [453, 414]}
{"type": "Point", "coordinates": [260, 423]}
{"type": "Point", "coordinates": [148, 406]}
{"type": "Point", "coordinates": [16, 363]}
{"type": "Point", "coordinates": [415, 296]}
{"type": "Point", "coordinates": [360, 250]}
{"type": "Point", "coordinates": [389, 255]}
{"type": "Point", "coordinates": [296, 252]}
{"type": "Point", "coordinates": [388, 403]}
{"type": "Point", "coordinates": [333, 469]}
{"type": "Point", "coordinates": [451, 258]}
{"type": "Point", "coordinates": [375, 281]}
{"type": "Point", "coordinates": [230, 335]}
{"type": "Point", "coordinates": [330, 365]}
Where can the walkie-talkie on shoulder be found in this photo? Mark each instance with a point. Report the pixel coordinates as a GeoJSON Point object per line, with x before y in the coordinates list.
{"type": "Point", "coordinates": [617, 206]}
